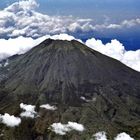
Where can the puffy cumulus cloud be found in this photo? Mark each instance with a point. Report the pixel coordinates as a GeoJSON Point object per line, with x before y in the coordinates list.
{"type": "Point", "coordinates": [117, 51]}
{"type": "Point", "coordinates": [123, 136]}
{"type": "Point", "coordinates": [91, 26]}
{"type": "Point", "coordinates": [48, 107]}
{"type": "Point", "coordinates": [22, 44]}
{"type": "Point", "coordinates": [17, 45]}
{"type": "Point", "coordinates": [22, 5]}
{"type": "Point", "coordinates": [62, 37]}
{"type": "Point", "coordinates": [22, 19]}
{"type": "Point", "coordinates": [29, 110]}
{"type": "Point", "coordinates": [76, 126]}
{"type": "Point", "coordinates": [10, 121]}
{"type": "Point", "coordinates": [100, 136]}
{"type": "Point", "coordinates": [62, 129]}
{"type": "Point", "coordinates": [114, 49]}
{"type": "Point", "coordinates": [125, 24]}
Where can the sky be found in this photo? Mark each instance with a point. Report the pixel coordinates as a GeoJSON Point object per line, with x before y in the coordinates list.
{"type": "Point", "coordinates": [111, 27]}
{"type": "Point", "coordinates": [100, 10]}
{"type": "Point", "coordinates": [97, 9]}
{"type": "Point", "coordinates": [105, 19]}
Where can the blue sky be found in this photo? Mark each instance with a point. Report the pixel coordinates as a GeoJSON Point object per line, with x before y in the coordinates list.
{"type": "Point", "coordinates": [95, 8]}
{"type": "Point", "coordinates": [100, 10]}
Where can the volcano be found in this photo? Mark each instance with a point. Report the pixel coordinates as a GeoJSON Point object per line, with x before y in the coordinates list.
{"type": "Point", "coordinates": [86, 86]}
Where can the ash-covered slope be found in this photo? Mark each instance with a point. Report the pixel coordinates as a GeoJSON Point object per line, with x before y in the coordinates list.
{"type": "Point", "coordinates": [86, 86]}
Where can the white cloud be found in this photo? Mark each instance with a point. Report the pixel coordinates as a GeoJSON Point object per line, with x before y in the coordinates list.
{"type": "Point", "coordinates": [124, 24]}
{"type": "Point", "coordinates": [62, 129]}
{"type": "Point", "coordinates": [62, 37]}
{"type": "Point", "coordinates": [48, 107]}
{"type": "Point", "coordinates": [22, 19]}
{"type": "Point", "coordinates": [100, 136]}
{"type": "Point", "coordinates": [14, 46]}
{"type": "Point", "coordinates": [22, 5]}
{"type": "Point", "coordinates": [116, 50]}
{"type": "Point", "coordinates": [27, 114]}
{"type": "Point", "coordinates": [29, 110]}
{"type": "Point", "coordinates": [17, 45]}
{"type": "Point", "coordinates": [6, 63]}
{"type": "Point", "coordinates": [76, 126]}
{"type": "Point", "coordinates": [10, 121]}
{"type": "Point", "coordinates": [123, 136]}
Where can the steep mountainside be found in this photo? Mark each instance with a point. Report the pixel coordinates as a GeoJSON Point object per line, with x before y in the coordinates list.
{"type": "Point", "coordinates": [86, 87]}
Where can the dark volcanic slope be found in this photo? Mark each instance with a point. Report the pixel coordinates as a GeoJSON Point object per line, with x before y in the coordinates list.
{"type": "Point", "coordinates": [60, 73]}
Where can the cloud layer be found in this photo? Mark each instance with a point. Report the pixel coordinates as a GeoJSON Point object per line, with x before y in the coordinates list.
{"type": "Point", "coordinates": [22, 19]}
{"type": "Point", "coordinates": [29, 110]}
{"type": "Point", "coordinates": [123, 136]}
{"type": "Point", "coordinates": [117, 51]}
{"type": "Point", "coordinates": [100, 136]}
{"type": "Point", "coordinates": [62, 129]}
{"type": "Point", "coordinates": [18, 45]}
{"type": "Point", "coordinates": [10, 120]}
{"type": "Point", "coordinates": [22, 44]}
{"type": "Point", "coordinates": [114, 49]}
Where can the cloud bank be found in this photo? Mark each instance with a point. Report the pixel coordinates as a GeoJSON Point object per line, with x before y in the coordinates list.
{"type": "Point", "coordinates": [10, 121]}
{"type": "Point", "coordinates": [117, 51]}
{"type": "Point", "coordinates": [22, 44]}
{"type": "Point", "coordinates": [62, 129]}
{"type": "Point", "coordinates": [123, 136]}
{"type": "Point", "coordinates": [17, 45]}
{"type": "Point", "coordinates": [22, 19]}
{"type": "Point", "coordinates": [100, 136]}
{"type": "Point", "coordinates": [114, 49]}
{"type": "Point", "coordinates": [29, 111]}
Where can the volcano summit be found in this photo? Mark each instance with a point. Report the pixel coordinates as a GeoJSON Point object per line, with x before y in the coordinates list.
{"type": "Point", "coordinates": [82, 85]}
